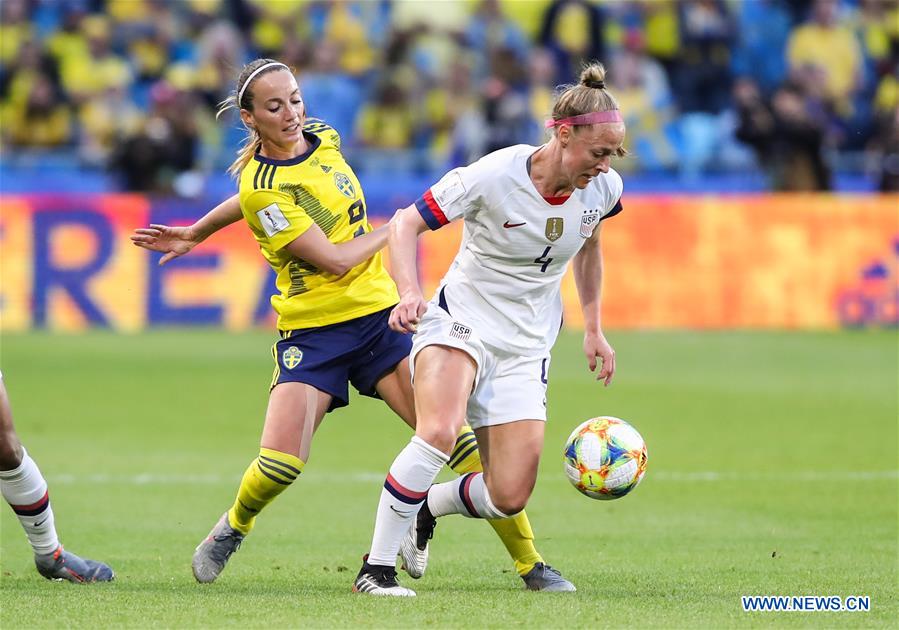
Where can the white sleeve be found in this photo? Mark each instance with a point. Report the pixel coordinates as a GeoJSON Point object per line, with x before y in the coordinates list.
{"type": "Point", "coordinates": [455, 196]}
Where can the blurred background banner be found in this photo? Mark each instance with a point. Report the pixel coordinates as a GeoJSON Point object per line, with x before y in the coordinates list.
{"type": "Point", "coordinates": [811, 261]}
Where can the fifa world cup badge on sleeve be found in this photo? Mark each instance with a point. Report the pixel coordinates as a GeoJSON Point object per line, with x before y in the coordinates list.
{"type": "Point", "coordinates": [272, 219]}
{"type": "Point", "coordinates": [448, 189]}
{"type": "Point", "coordinates": [589, 222]}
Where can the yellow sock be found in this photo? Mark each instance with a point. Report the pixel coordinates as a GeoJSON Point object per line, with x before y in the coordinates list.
{"type": "Point", "coordinates": [267, 476]}
{"type": "Point", "coordinates": [515, 532]}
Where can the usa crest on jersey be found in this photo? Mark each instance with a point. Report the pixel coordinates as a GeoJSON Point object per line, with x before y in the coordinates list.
{"type": "Point", "coordinates": [588, 222]}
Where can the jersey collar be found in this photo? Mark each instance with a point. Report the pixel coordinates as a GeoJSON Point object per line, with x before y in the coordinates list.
{"type": "Point", "coordinates": [314, 142]}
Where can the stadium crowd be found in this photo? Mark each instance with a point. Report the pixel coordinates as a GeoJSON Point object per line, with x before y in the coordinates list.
{"type": "Point", "coordinates": [797, 88]}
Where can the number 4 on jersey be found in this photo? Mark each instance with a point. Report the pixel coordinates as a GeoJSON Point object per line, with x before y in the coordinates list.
{"type": "Point", "coordinates": [542, 260]}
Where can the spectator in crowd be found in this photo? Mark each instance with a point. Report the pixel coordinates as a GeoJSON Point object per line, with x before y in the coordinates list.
{"type": "Point", "coordinates": [15, 29]}
{"type": "Point", "coordinates": [453, 116]}
{"type": "Point", "coordinates": [542, 77]}
{"type": "Point", "coordinates": [165, 147]}
{"type": "Point", "coordinates": [799, 9]}
{"type": "Point", "coordinates": [326, 85]}
{"type": "Point", "coordinates": [764, 26]}
{"type": "Point", "coordinates": [884, 151]}
{"type": "Point", "coordinates": [573, 31]}
{"type": "Point", "coordinates": [437, 76]}
{"type": "Point", "coordinates": [506, 114]}
{"type": "Point", "coordinates": [702, 80]}
{"type": "Point", "coordinates": [661, 30]}
{"type": "Point", "coordinates": [219, 49]}
{"type": "Point", "coordinates": [105, 120]}
{"type": "Point", "coordinates": [43, 120]}
{"type": "Point", "coordinates": [272, 22]}
{"type": "Point", "coordinates": [488, 30]}
{"type": "Point", "coordinates": [344, 28]}
{"type": "Point", "coordinates": [829, 46]}
{"type": "Point", "coordinates": [17, 78]}
{"type": "Point", "coordinates": [641, 88]}
{"type": "Point", "coordinates": [88, 72]}
{"type": "Point", "coordinates": [756, 122]}
{"type": "Point", "coordinates": [387, 122]}
{"type": "Point", "coordinates": [787, 138]}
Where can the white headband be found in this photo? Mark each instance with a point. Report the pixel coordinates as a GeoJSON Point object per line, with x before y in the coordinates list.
{"type": "Point", "coordinates": [253, 76]}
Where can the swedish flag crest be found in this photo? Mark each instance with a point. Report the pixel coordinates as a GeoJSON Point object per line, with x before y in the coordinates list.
{"type": "Point", "coordinates": [291, 357]}
{"type": "Point", "coordinates": [344, 185]}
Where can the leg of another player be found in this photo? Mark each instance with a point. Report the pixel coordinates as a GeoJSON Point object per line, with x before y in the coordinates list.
{"type": "Point", "coordinates": [510, 454]}
{"type": "Point", "coordinates": [443, 380]}
{"type": "Point", "coordinates": [25, 489]}
{"type": "Point", "coordinates": [294, 412]}
{"type": "Point", "coordinates": [395, 388]}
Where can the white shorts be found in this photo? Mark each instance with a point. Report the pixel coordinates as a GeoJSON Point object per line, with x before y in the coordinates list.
{"type": "Point", "coordinates": [507, 387]}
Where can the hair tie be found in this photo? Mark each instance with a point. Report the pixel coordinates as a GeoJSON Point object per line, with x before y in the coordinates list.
{"type": "Point", "coordinates": [252, 76]}
{"type": "Point", "coordinates": [592, 118]}
{"type": "Point", "coordinates": [596, 85]}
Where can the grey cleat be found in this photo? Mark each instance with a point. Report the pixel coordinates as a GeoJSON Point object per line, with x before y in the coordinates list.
{"type": "Point", "coordinates": [544, 578]}
{"type": "Point", "coordinates": [64, 565]}
{"type": "Point", "coordinates": [414, 548]}
{"type": "Point", "coordinates": [212, 554]}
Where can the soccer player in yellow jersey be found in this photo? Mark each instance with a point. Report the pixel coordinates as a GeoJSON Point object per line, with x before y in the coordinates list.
{"type": "Point", "coordinates": [306, 210]}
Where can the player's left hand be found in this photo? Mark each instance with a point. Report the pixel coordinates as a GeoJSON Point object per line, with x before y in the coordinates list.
{"type": "Point", "coordinates": [405, 316]}
{"type": "Point", "coordinates": [595, 345]}
{"type": "Point", "coordinates": [168, 240]}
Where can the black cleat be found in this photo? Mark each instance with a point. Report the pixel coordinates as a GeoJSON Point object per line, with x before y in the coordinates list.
{"type": "Point", "coordinates": [379, 580]}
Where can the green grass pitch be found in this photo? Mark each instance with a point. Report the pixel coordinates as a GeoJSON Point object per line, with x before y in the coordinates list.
{"type": "Point", "coordinates": [772, 470]}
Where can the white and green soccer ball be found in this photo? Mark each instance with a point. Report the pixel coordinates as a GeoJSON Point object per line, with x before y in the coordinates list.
{"type": "Point", "coordinates": [605, 458]}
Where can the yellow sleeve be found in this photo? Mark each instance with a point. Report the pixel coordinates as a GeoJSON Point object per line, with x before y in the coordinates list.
{"type": "Point", "coordinates": [275, 217]}
{"type": "Point", "coordinates": [798, 47]}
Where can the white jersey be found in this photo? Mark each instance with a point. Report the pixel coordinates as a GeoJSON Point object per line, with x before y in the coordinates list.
{"type": "Point", "coordinates": [506, 280]}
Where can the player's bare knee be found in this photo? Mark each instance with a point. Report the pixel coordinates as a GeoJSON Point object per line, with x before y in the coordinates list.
{"type": "Point", "coordinates": [509, 501]}
{"type": "Point", "coordinates": [510, 506]}
{"type": "Point", "coordinates": [441, 437]}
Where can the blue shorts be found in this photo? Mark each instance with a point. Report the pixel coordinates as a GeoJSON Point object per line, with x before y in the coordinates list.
{"type": "Point", "coordinates": [359, 351]}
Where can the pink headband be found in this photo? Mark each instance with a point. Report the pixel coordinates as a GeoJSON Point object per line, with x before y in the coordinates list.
{"type": "Point", "coordinates": [610, 116]}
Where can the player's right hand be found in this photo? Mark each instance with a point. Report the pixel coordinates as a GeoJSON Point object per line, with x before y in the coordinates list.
{"type": "Point", "coordinates": [171, 241]}
{"type": "Point", "coordinates": [405, 316]}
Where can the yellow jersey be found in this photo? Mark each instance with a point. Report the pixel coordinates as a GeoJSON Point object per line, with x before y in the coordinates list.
{"type": "Point", "coordinates": [280, 200]}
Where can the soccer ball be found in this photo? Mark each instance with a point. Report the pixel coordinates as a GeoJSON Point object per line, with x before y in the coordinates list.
{"type": "Point", "coordinates": [605, 458]}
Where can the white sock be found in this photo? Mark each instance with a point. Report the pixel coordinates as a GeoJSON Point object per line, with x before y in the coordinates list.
{"type": "Point", "coordinates": [410, 476]}
{"type": "Point", "coordinates": [467, 495]}
{"type": "Point", "coordinates": [25, 490]}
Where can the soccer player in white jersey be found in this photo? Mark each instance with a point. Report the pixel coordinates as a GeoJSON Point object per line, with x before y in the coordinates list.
{"type": "Point", "coordinates": [24, 488]}
{"type": "Point", "coordinates": [481, 345]}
